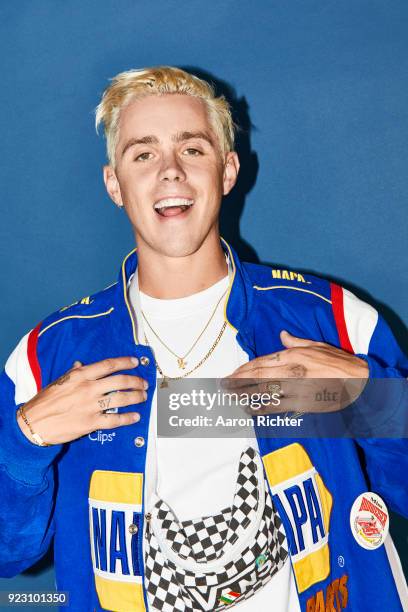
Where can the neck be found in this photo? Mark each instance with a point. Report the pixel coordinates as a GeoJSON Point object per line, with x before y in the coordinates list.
{"type": "Point", "coordinates": [166, 277]}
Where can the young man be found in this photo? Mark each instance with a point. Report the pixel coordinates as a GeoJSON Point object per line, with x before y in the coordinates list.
{"type": "Point", "coordinates": [143, 522]}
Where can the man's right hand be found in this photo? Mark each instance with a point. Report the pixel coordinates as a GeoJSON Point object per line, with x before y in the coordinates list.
{"type": "Point", "coordinates": [73, 405]}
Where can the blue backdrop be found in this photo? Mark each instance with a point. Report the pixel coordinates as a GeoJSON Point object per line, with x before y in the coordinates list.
{"type": "Point", "coordinates": [320, 88]}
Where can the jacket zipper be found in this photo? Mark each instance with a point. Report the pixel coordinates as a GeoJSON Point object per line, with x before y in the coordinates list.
{"type": "Point", "coordinates": [148, 518]}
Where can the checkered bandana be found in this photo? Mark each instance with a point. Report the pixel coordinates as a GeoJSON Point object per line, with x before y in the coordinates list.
{"type": "Point", "coordinates": [214, 562]}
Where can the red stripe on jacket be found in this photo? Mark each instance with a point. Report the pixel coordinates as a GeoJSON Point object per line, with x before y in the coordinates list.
{"type": "Point", "coordinates": [32, 355]}
{"type": "Point", "coordinates": [338, 312]}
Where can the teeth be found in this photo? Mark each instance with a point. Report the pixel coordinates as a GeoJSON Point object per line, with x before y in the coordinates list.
{"type": "Point", "coordinates": [173, 202]}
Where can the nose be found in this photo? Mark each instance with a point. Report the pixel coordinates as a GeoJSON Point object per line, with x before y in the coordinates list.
{"type": "Point", "coordinates": [171, 169]}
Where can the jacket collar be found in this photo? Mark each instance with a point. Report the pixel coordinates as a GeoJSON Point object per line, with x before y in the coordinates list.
{"type": "Point", "coordinates": [237, 306]}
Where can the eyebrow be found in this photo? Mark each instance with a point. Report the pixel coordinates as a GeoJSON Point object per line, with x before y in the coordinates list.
{"type": "Point", "coordinates": [182, 136]}
{"type": "Point", "coordinates": [135, 141]}
{"type": "Point", "coordinates": [179, 137]}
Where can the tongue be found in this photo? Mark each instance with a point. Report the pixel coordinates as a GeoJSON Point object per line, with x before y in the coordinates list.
{"type": "Point", "coordinates": [172, 211]}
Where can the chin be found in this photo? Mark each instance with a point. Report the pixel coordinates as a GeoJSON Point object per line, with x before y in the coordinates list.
{"type": "Point", "coordinates": [179, 247]}
{"type": "Point", "coordinates": [178, 250]}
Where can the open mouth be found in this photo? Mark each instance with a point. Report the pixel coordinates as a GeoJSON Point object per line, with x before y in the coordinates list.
{"type": "Point", "coordinates": [171, 207]}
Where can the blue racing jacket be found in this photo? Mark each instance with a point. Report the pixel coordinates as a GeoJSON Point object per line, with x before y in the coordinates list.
{"type": "Point", "coordinates": [89, 494]}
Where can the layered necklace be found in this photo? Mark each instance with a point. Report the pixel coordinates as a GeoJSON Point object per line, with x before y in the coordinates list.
{"type": "Point", "coordinates": [181, 359]}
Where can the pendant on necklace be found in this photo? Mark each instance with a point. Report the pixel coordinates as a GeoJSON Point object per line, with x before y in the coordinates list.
{"type": "Point", "coordinates": [181, 363]}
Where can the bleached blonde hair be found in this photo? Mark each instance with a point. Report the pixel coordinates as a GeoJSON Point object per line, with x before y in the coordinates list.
{"type": "Point", "coordinates": [128, 86]}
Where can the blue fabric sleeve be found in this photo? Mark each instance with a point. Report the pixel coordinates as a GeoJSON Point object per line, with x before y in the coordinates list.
{"type": "Point", "coordinates": [27, 490]}
{"type": "Point", "coordinates": [386, 459]}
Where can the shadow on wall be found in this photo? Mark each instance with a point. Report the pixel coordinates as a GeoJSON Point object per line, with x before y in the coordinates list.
{"type": "Point", "coordinates": [233, 205]}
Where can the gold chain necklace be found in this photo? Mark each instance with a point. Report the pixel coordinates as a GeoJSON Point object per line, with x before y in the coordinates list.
{"type": "Point", "coordinates": [181, 360]}
{"type": "Point", "coordinates": [166, 378]}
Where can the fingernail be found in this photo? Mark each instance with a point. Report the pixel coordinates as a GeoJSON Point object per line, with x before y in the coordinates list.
{"type": "Point", "coordinates": [136, 417]}
{"type": "Point", "coordinates": [145, 384]}
{"type": "Point", "coordinates": [134, 360]}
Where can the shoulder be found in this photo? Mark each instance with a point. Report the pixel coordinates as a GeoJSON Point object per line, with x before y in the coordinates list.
{"type": "Point", "coordinates": [314, 300]}
{"type": "Point", "coordinates": [84, 311]}
{"type": "Point", "coordinates": [61, 332]}
{"type": "Point", "coordinates": [52, 344]}
{"type": "Point", "coordinates": [289, 285]}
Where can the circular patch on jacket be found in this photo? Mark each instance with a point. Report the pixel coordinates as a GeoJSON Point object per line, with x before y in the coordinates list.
{"type": "Point", "coordinates": [369, 520]}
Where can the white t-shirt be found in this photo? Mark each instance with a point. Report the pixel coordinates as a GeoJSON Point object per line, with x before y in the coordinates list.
{"type": "Point", "coordinates": [197, 476]}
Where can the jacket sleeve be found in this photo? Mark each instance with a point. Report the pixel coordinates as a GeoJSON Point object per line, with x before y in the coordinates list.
{"type": "Point", "coordinates": [384, 406]}
{"type": "Point", "coordinates": [26, 470]}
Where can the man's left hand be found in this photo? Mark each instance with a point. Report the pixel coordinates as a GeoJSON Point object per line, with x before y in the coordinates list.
{"type": "Point", "coordinates": [303, 359]}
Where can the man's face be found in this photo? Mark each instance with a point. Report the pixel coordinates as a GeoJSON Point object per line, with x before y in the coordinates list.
{"type": "Point", "coordinates": [170, 174]}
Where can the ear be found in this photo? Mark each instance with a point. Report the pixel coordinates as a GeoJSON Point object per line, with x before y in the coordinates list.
{"type": "Point", "coordinates": [231, 169]}
{"type": "Point", "coordinates": [112, 185]}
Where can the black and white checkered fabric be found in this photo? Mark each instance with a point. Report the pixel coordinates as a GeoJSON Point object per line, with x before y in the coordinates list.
{"type": "Point", "coordinates": [171, 588]}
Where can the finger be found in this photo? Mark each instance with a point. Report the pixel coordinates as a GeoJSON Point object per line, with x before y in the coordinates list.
{"type": "Point", "coordinates": [284, 404]}
{"type": "Point", "coordinates": [272, 359]}
{"type": "Point", "coordinates": [120, 399]}
{"type": "Point", "coordinates": [108, 366]}
{"type": "Point", "coordinates": [266, 388]}
{"type": "Point", "coordinates": [288, 402]}
{"type": "Point", "coordinates": [268, 372]}
{"type": "Point", "coordinates": [120, 382]}
{"type": "Point", "coordinates": [113, 420]}
{"type": "Point", "coordinates": [238, 382]}
{"type": "Point", "coordinates": [290, 341]}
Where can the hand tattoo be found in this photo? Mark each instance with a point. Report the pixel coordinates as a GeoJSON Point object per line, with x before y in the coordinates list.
{"type": "Point", "coordinates": [297, 371]}
{"type": "Point", "coordinates": [104, 403]}
{"type": "Point", "coordinates": [60, 380]}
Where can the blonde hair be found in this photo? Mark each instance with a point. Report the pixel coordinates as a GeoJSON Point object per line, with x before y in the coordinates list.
{"type": "Point", "coordinates": [133, 84]}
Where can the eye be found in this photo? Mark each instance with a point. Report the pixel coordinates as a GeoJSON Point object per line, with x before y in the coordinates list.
{"type": "Point", "coordinates": [192, 151]}
{"type": "Point", "coordinates": [144, 156]}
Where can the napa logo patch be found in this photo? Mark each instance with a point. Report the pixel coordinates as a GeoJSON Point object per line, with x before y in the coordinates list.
{"type": "Point", "coordinates": [85, 300]}
{"type": "Point", "coordinates": [289, 275]}
{"type": "Point", "coordinates": [115, 506]}
{"type": "Point", "coordinates": [304, 505]}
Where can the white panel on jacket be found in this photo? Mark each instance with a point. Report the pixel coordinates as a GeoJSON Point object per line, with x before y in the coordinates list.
{"type": "Point", "coordinates": [18, 369]}
{"type": "Point", "coordinates": [361, 319]}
